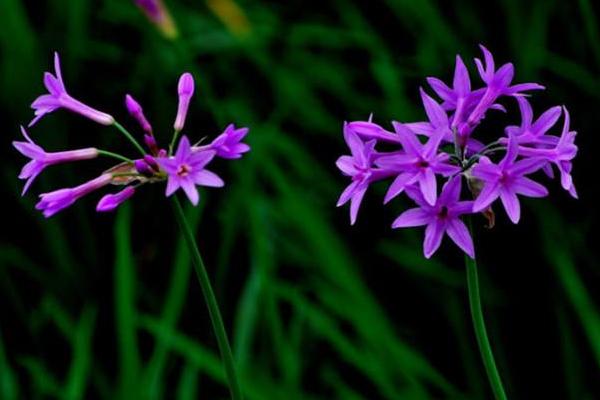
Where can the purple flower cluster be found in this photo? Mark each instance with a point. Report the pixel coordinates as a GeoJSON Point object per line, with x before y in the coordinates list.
{"type": "Point", "coordinates": [184, 168]}
{"type": "Point", "coordinates": [444, 148]}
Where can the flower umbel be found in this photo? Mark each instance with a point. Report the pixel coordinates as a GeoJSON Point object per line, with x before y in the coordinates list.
{"type": "Point", "coordinates": [420, 154]}
{"type": "Point", "coordinates": [185, 169]}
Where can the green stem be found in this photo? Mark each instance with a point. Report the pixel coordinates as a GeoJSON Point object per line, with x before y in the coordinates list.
{"type": "Point", "coordinates": [479, 324]}
{"type": "Point", "coordinates": [115, 155]}
{"type": "Point", "coordinates": [130, 137]}
{"type": "Point", "coordinates": [211, 302]}
{"type": "Point", "coordinates": [173, 140]}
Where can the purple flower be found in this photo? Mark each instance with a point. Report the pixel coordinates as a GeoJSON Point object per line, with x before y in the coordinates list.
{"type": "Point", "coordinates": [561, 154]}
{"type": "Point", "coordinates": [498, 84]}
{"type": "Point", "coordinates": [111, 201]}
{"type": "Point", "coordinates": [418, 164]}
{"type": "Point", "coordinates": [186, 170]}
{"type": "Point", "coordinates": [53, 202]}
{"type": "Point", "coordinates": [40, 159]}
{"type": "Point", "coordinates": [439, 121]}
{"type": "Point", "coordinates": [135, 110]}
{"type": "Point", "coordinates": [185, 89]}
{"type": "Point", "coordinates": [441, 217]}
{"type": "Point", "coordinates": [459, 98]}
{"type": "Point", "coordinates": [358, 166]}
{"type": "Point", "coordinates": [368, 130]}
{"type": "Point", "coordinates": [506, 180]}
{"type": "Point", "coordinates": [533, 133]}
{"type": "Point", "coordinates": [417, 152]}
{"type": "Point", "coordinates": [229, 144]}
{"type": "Point", "coordinates": [59, 98]}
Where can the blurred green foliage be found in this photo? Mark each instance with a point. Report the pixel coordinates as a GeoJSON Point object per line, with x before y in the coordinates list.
{"type": "Point", "coordinates": [107, 307]}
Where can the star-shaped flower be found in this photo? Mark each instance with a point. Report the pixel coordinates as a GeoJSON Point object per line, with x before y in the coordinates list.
{"type": "Point", "coordinates": [186, 170]}
{"type": "Point", "coordinates": [443, 217]}
{"type": "Point", "coordinates": [506, 180]}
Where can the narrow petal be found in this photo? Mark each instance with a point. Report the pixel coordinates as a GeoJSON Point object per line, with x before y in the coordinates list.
{"type": "Point", "coordinates": [183, 150]}
{"type": "Point", "coordinates": [486, 171]}
{"type": "Point", "coordinates": [355, 204]}
{"type": "Point", "coordinates": [546, 120]}
{"type": "Point", "coordinates": [451, 191]}
{"type": "Point", "coordinates": [346, 165]}
{"type": "Point", "coordinates": [436, 114]}
{"type": "Point", "coordinates": [504, 75]}
{"type": "Point", "coordinates": [428, 185]}
{"type": "Point", "coordinates": [411, 218]}
{"type": "Point", "coordinates": [190, 190]}
{"type": "Point", "coordinates": [458, 232]}
{"type": "Point", "coordinates": [409, 140]}
{"type": "Point", "coordinates": [511, 204]}
{"type": "Point", "coordinates": [527, 166]}
{"type": "Point", "coordinates": [355, 144]}
{"type": "Point", "coordinates": [461, 83]}
{"type": "Point", "coordinates": [347, 193]}
{"type": "Point", "coordinates": [441, 89]}
{"type": "Point", "coordinates": [528, 187]}
{"type": "Point", "coordinates": [512, 151]}
{"type": "Point", "coordinates": [490, 192]}
{"type": "Point", "coordinates": [199, 159]}
{"type": "Point", "coordinates": [433, 238]}
{"type": "Point", "coordinates": [172, 185]}
{"type": "Point", "coordinates": [398, 185]}
{"type": "Point", "coordinates": [58, 71]}
{"type": "Point", "coordinates": [526, 112]}
{"type": "Point", "coordinates": [208, 178]}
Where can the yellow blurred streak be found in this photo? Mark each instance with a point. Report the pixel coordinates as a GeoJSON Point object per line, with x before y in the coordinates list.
{"type": "Point", "coordinates": [231, 15]}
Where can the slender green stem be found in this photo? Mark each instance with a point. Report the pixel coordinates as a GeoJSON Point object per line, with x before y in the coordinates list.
{"type": "Point", "coordinates": [211, 302]}
{"type": "Point", "coordinates": [130, 137]}
{"type": "Point", "coordinates": [173, 140]}
{"type": "Point", "coordinates": [115, 155]}
{"type": "Point", "coordinates": [479, 324]}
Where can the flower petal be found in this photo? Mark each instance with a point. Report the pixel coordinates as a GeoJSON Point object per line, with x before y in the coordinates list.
{"type": "Point", "coordinates": [208, 178]}
{"type": "Point", "coordinates": [546, 120]}
{"type": "Point", "coordinates": [399, 184]}
{"type": "Point", "coordinates": [442, 90]}
{"type": "Point", "coordinates": [355, 204]}
{"type": "Point", "coordinates": [412, 217]}
{"type": "Point", "coordinates": [190, 190]}
{"type": "Point", "coordinates": [183, 149]}
{"type": "Point", "coordinates": [436, 114]}
{"type": "Point", "coordinates": [172, 185]}
{"type": "Point", "coordinates": [461, 83]}
{"type": "Point", "coordinates": [428, 185]}
{"type": "Point", "coordinates": [490, 192]}
{"type": "Point", "coordinates": [433, 237]}
{"type": "Point", "coordinates": [458, 232]}
{"type": "Point", "coordinates": [528, 187]}
{"type": "Point", "coordinates": [511, 204]}
{"type": "Point", "coordinates": [347, 193]}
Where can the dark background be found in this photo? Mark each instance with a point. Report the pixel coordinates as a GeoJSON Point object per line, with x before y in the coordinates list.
{"type": "Point", "coordinates": [106, 305]}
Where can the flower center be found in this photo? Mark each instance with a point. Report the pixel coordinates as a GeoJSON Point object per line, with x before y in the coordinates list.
{"type": "Point", "coordinates": [423, 164]}
{"type": "Point", "coordinates": [183, 170]}
{"type": "Point", "coordinates": [443, 212]}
